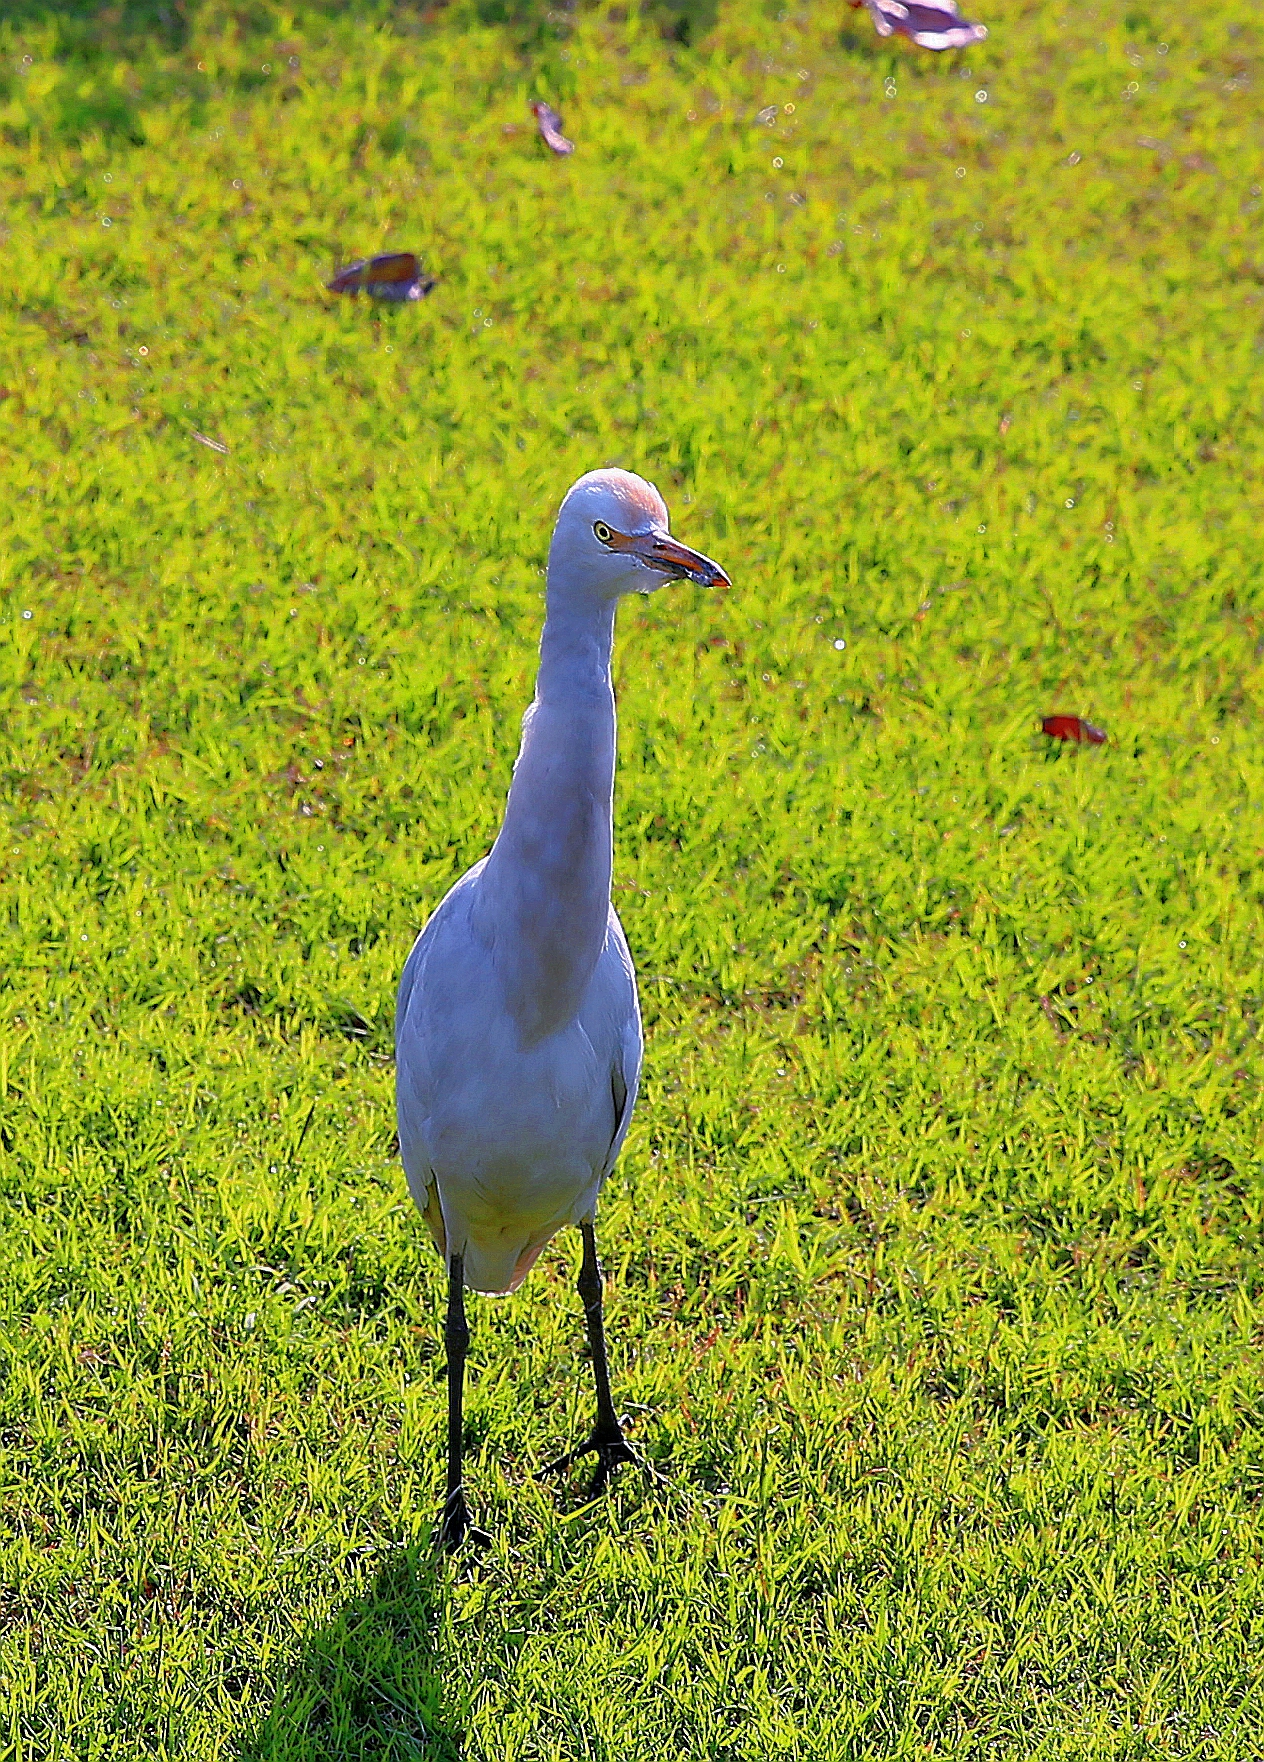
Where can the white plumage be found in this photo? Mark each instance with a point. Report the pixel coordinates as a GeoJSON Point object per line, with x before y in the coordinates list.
{"type": "Point", "coordinates": [518, 1037]}
{"type": "Point", "coordinates": [507, 1135]}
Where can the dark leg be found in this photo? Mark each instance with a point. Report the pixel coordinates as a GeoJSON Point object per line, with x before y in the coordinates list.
{"type": "Point", "coordinates": [455, 1524]}
{"type": "Point", "coordinates": [607, 1433]}
{"type": "Point", "coordinates": [607, 1441]}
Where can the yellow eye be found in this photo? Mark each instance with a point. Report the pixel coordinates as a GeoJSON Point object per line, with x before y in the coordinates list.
{"type": "Point", "coordinates": [603, 531]}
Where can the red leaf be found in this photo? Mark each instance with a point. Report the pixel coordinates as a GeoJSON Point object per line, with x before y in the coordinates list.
{"type": "Point", "coordinates": [1072, 728]}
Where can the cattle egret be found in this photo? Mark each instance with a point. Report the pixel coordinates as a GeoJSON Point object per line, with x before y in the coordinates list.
{"type": "Point", "coordinates": [517, 1031]}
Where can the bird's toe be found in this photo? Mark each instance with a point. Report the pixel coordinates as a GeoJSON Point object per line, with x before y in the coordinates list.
{"type": "Point", "coordinates": [455, 1528]}
{"type": "Point", "coordinates": [612, 1449]}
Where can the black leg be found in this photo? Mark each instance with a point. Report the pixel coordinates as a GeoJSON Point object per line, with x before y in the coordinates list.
{"type": "Point", "coordinates": [607, 1441]}
{"type": "Point", "coordinates": [608, 1431]}
{"type": "Point", "coordinates": [455, 1524]}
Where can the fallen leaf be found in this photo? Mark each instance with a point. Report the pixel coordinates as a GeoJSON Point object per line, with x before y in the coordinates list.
{"type": "Point", "coordinates": [1059, 727]}
{"type": "Point", "coordinates": [550, 125]}
{"type": "Point", "coordinates": [395, 276]}
{"type": "Point", "coordinates": [938, 24]}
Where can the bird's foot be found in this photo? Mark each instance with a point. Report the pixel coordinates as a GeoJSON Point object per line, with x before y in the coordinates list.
{"type": "Point", "coordinates": [612, 1450]}
{"type": "Point", "coordinates": [455, 1526]}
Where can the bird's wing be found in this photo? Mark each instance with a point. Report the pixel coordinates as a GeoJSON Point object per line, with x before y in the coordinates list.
{"type": "Point", "coordinates": [625, 1079]}
{"type": "Point", "coordinates": [410, 1062]}
{"type": "Point", "coordinates": [625, 1071]}
{"type": "Point", "coordinates": [409, 1114]}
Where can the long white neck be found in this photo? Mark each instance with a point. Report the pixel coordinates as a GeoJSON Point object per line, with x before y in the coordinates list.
{"type": "Point", "coordinates": [544, 894]}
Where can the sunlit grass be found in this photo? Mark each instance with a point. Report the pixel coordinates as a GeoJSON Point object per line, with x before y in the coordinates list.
{"type": "Point", "coordinates": [937, 1283]}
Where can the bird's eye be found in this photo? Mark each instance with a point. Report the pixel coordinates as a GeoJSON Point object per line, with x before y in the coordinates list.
{"type": "Point", "coordinates": [602, 531]}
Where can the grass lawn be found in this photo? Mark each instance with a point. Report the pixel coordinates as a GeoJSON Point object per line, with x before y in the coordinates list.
{"type": "Point", "coordinates": [937, 1270]}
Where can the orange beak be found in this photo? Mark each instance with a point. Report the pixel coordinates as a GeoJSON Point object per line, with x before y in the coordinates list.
{"type": "Point", "coordinates": [667, 557]}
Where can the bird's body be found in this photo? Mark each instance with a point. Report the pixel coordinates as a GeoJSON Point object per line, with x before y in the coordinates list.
{"type": "Point", "coordinates": [518, 1037]}
{"type": "Point", "coordinates": [506, 1141]}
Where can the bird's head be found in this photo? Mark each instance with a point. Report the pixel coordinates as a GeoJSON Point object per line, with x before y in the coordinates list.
{"type": "Point", "coordinates": [612, 538]}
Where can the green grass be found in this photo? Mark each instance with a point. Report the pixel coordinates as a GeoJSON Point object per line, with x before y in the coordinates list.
{"type": "Point", "coordinates": [938, 1288]}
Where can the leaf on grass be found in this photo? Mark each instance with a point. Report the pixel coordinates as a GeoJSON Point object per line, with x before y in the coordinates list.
{"type": "Point", "coordinates": [1059, 727]}
{"type": "Point", "coordinates": [395, 276]}
{"type": "Point", "coordinates": [549, 124]}
{"type": "Point", "coordinates": [938, 25]}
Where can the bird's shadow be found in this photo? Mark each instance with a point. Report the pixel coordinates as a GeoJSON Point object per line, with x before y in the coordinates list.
{"type": "Point", "coordinates": [368, 1682]}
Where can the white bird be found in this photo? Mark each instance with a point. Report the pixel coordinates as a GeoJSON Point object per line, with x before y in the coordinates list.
{"type": "Point", "coordinates": [517, 1030]}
